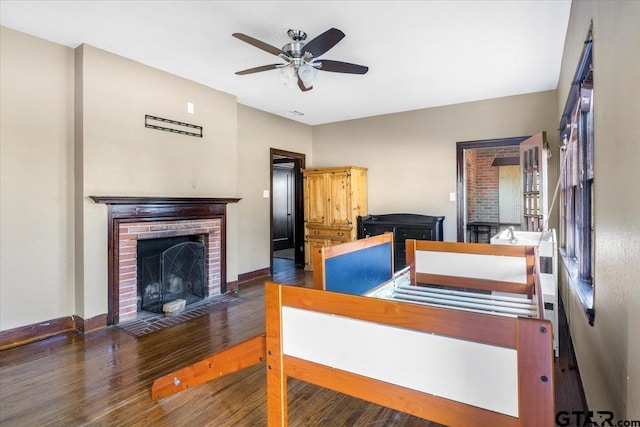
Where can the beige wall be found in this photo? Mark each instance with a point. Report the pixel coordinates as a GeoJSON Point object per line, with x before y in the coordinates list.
{"type": "Point", "coordinates": [411, 156]}
{"type": "Point", "coordinates": [36, 180]}
{"type": "Point", "coordinates": [54, 156]}
{"type": "Point", "coordinates": [258, 132]}
{"type": "Point", "coordinates": [609, 352]}
{"type": "Point", "coordinates": [123, 158]}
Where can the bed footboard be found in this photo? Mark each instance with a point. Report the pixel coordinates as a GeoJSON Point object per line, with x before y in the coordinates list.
{"type": "Point", "coordinates": [443, 365]}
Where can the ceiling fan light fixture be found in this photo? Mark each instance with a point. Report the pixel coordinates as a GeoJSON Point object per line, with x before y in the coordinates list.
{"type": "Point", "coordinates": [308, 74]}
{"type": "Point", "coordinates": [288, 76]}
{"type": "Point", "coordinates": [302, 65]}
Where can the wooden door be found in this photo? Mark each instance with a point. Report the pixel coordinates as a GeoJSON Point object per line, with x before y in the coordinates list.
{"type": "Point", "coordinates": [283, 206]}
{"type": "Point", "coordinates": [297, 162]}
{"type": "Point", "coordinates": [315, 190]}
{"type": "Point", "coordinates": [509, 203]}
{"type": "Point", "coordinates": [339, 199]}
{"type": "Point", "coordinates": [533, 166]}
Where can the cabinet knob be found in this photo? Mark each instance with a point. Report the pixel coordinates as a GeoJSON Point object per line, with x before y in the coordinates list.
{"type": "Point", "coordinates": [341, 234]}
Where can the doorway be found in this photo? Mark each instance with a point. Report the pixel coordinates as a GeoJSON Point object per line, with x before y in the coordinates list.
{"type": "Point", "coordinates": [287, 210]}
{"type": "Point", "coordinates": [488, 187]}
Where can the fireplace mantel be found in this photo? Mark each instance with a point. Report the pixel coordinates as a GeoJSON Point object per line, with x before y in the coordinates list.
{"type": "Point", "coordinates": [134, 200]}
{"type": "Point", "coordinates": [154, 208]}
{"type": "Point", "coordinates": [123, 209]}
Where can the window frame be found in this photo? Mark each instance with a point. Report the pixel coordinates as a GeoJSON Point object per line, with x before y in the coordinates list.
{"type": "Point", "coordinates": [577, 183]}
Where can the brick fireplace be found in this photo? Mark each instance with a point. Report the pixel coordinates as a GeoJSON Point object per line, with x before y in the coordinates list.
{"type": "Point", "coordinates": [132, 232]}
{"type": "Point", "coordinates": [131, 219]}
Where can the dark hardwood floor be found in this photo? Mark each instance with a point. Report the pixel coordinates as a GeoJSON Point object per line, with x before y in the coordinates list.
{"type": "Point", "coordinates": [104, 378]}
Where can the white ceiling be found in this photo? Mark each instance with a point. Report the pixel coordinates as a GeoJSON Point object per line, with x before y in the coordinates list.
{"type": "Point", "coordinates": [420, 54]}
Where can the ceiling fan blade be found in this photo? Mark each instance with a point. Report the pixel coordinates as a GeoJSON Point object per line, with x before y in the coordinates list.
{"type": "Point", "coordinates": [257, 43]}
{"type": "Point", "coordinates": [342, 67]}
{"type": "Point", "coordinates": [302, 86]}
{"type": "Point", "coordinates": [323, 42]}
{"type": "Point", "coordinates": [257, 69]}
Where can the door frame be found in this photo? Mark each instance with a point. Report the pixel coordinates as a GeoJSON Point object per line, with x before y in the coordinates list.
{"type": "Point", "coordinates": [461, 146]}
{"type": "Point", "coordinates": [299, 160]}
{"type": "Point", "coordinates": [279, 196]}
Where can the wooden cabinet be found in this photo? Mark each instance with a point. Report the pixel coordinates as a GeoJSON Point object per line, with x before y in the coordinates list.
{"type": "Point", "coordinates": [333, 200]}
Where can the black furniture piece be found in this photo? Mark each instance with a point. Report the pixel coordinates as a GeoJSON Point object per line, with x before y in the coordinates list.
{"type": "Point", "coordinates": [482, 231]}
{"type": "Point", "coordinates": [403, 226]}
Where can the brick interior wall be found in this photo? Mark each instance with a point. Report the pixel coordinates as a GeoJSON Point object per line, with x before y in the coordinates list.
{"type": "Point", "coordinates": [131, 232]}
{"type": "Point", "coordinates": [482, 182]}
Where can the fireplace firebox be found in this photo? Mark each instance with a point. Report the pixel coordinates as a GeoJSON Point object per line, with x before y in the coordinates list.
{"type": "Point", "coordinates": [169, 269]}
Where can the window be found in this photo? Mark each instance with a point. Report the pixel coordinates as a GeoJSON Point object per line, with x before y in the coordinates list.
{"type": "Point", "coordinates": [577, 182]}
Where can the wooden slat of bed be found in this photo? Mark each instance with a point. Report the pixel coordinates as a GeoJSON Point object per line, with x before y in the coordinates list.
{"type": "Point", "coordinates": [471, 283]}
{"type": "Point", "coordinates": [356, 245]}
{"type": "Point", "coordinates": [472, 248]}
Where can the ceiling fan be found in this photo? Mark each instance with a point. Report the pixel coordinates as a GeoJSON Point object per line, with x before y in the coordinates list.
{"type": "Point", "coordinates": [301, 63]}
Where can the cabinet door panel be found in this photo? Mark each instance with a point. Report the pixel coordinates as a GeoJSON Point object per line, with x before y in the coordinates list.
{"type": "Point", "coordinates": [315, 199]}
{"type": "Point", "coordinates": [340, 199]}
{"type": "Point", "coordinates": [334, 197]}
{"type": "Point", "coordinates": [312, 248]}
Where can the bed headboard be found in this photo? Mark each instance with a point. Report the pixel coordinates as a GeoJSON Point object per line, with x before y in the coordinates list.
{"type": "Point", "coordinates": [354, 267]}
{"type": "Point", "coordinates": [473, 265]}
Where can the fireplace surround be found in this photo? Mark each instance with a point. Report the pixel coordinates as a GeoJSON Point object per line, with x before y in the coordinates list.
{"type": "Point", "coordinates": [137, 218]}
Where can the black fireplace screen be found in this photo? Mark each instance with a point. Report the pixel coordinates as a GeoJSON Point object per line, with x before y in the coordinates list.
{"type": "Point", "coordinates": [168, 271]}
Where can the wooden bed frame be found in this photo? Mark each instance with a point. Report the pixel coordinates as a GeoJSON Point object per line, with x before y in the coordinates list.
{"type": "Point", "coordinates": [339, 361]}
{"type": "Point", "coordinates": [444, 365]}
